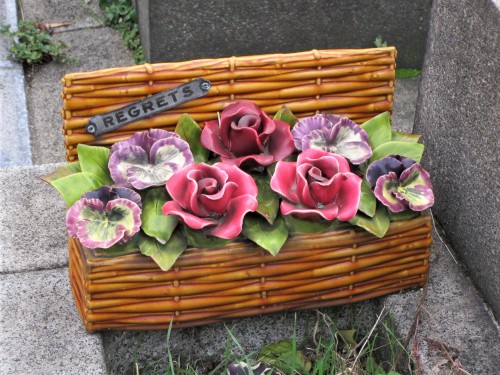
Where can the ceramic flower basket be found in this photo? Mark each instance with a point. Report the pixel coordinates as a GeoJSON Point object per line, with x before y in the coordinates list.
{"type": "Point", "coordinates": [373, 248]}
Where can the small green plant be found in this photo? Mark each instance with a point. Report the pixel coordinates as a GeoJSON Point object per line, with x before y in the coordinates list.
{"type": "Point", "coordinates": [121, 15]}
{"type": "Point", "coordinates": [342, 352]}
{"type": "Point", "coordinates": [379, 42]}
{"type": "Point", "coordinates": [407, 73]}
{"type": "Point", "coordinates": [32, 44]}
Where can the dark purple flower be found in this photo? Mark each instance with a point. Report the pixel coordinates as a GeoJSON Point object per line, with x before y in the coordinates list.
{"type": "Point", "coordinates": [399, 183]}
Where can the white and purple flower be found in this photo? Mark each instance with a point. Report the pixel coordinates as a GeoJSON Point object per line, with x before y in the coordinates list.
{"type": "Point", "coordinates": [334, 134]}
{"type": "Point", "coordinates": [148, 158]}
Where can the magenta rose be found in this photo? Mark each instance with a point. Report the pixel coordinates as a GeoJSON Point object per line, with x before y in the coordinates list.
{"type": "Point", "coordinates": [247, 136]}
{"type": "Point", "coordinates": [212, 197]}
{"type": "Point", "coordinates": [318, 186]}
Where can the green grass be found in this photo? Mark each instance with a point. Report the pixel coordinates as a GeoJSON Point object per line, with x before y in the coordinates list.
{"type": "Point", "coordinates": [121, 15]}
{"type": "Point", "coordinates": [408, 73]}
{"type": "Point", "coordinates": [341, 352]}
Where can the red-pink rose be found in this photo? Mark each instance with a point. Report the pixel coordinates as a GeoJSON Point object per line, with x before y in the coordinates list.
{"type": "Point", "coordinates": [246, 135]}
{"type": "Point", "coordinates": [215, 197]}
{"type": "Point", "coordinates": [318, 185]}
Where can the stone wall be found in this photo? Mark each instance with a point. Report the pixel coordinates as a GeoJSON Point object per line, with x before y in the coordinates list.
{"type": "Point", "coordinates": [173, 30]}
{"type": "Point", "coordinates": [458, 113]}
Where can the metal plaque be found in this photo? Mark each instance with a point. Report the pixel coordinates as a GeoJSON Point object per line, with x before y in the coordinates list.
{"type": "Point", "coordinates": [148, 107]}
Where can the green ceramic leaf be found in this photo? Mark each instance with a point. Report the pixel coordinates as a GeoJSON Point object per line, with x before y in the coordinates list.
{"type": "Point", "coordinates": [378, 129]}
{"type": "Point", "coordinates": [377, 225]}
{"type": "Point", "coordinates": [368, 202]}
{"type": "Point", "coordinates": [197, 238]}
{"type": "Point", "coordinates": [286, 115]}
{"type": "Point", "coordinates": [405, 137]}
{"type": "Point", "coordinates": [190, 131]}
{"type": "Point", "coordinates": [63, 171]}
{"type": "Point", "coordinates": [403, 215]}
{"type": "Point", "coordinates": [164, 255]}
{"type": "Point", "coordinates": [270, 237]}
{"type": "Point", "coordinates": [268, 199]}
{"type": "Point", "coordinates": [154, 223]}
{"type": "Point", "coordinates": [304, 226]}
{"type": "Point", "coordinates": [410, 150]}
{"type": "Point", "coordinates": [285, 357]}
{"type": "Point", "coordinates": [73, 186]}
{"type": "Point", "coordinates": [94, 160]}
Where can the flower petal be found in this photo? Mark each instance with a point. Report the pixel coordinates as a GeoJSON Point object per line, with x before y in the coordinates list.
{"type": "Point", "coordinates": [231, 114]}
{"type": "Point", "coordinates": [192, 221]}
{"type": "Point", "coordinates": [325, 192]}
{"type": "Point", "coordinates": [125, 213]}
{"type": "Point", "coordinates": [283, 180]}
{"type": "Point", "coordinates": [385, 191]}
{"type": "Point", "coordinates": [391, 163]}
{"type": "Point", "coordinates": [349, 195]}
{"type": "Point", "coordinates": [210, 139]}
{"type": "Point", "coordinates": [245, 182]}
{"type": "Point", "coordinates": [356, 152]}
{"type": "Point", "coordinates": [108, 193]}
{"type": "Point", "coordinates": [217, 203]}
{"type": "Point", "coordinates": [245, 141]}
{"type": "Point", "coordinates": [311, 154]}
{"type": "Point", "coordinates": [328, 212]}
{"type": "Point", "coordinates": [82, 210]}
{"type": "Point", "coordinates": [280, 144]}
{"type": "Point", "coordinates": [119, 221]}
{"type": "Point", "coordinates": [124, 158]}
{"type": "Point", "coordinates": [249, 160]}
{"type": "Point", "coordinates": [416, 188]}
{"type": "Point", "coordinates": [305, 125]}
{"type": "Point", "coordinates": [179, 186]}
{"type": "Point", "coordinates": [171, 150]}
{"type": "Point", "coordinates": [232, 224]}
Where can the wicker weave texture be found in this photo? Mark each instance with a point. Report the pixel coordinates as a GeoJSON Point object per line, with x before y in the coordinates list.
{"type": "Point", "coordinates": [358, 84]}
{"type": "Point", "coordinates": [211, 285]}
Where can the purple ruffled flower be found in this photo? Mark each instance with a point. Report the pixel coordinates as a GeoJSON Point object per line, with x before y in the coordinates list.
{"type": "Point", "coordinates": [333, 134]}
{"type": "Point", "coordinates": [148, 158]}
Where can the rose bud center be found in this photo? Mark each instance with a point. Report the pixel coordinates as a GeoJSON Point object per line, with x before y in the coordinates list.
{"type": "Point", "coordinates": [315, 175]}
{"type": "Point", "coordinates": [249, 121]}
{"type": "Point", "coordinates": [208, 186]}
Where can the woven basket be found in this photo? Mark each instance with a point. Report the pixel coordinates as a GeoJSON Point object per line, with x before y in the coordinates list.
{"type": "Point", "coordinates": [209, 285]}
{"type": "Point", "coordinates": [358, 84]}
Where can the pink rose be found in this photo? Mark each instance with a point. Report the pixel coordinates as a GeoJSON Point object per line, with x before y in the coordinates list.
{"type": "Point", "coordinates": [215, 197]}
{"type": "Point", "coordinates": [246, 135]}
{"type": "Point", "coordinates": [319, 185]}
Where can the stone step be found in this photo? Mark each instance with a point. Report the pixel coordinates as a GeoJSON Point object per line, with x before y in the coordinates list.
{"type": "Point", "coordinates": [40, 330]}
{"type": "Point", "coordinates": [32, 221]}
{"type": "Point", "coordinates": [456, 329]}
